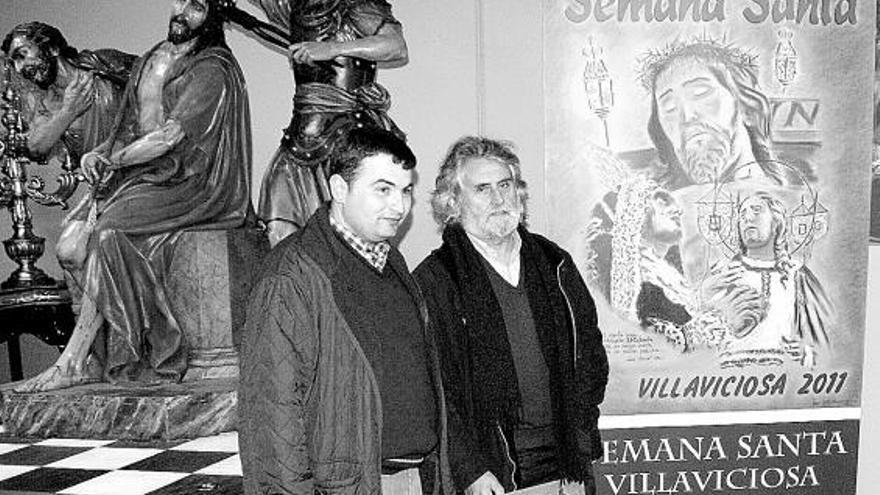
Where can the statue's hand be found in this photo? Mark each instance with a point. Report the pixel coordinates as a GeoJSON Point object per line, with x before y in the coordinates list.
{"type": "Point", "coordinates": [79, 93]}
{"type": "Point", "coordinates": [743, 308]}
{"type": "Point", "coordinates": [93, 166]}
{"type": "Point", "coordinates": [593, 230]}
{"type": "Point", "coordinates": [309, 52]}
{"type": "Point", "coordinates": [718, 282]}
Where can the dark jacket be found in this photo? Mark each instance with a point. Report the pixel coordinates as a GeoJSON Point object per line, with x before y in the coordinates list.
{"type": "Point", "coordinates": [310, 412]}
{"type": "Point", "coordinates": [470, 331]}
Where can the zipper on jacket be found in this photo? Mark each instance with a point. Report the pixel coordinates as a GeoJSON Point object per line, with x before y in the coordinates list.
{"type": "Point", "coordinates": [507, 454]}
{"type": "Point", "coordinates": [574, 336]}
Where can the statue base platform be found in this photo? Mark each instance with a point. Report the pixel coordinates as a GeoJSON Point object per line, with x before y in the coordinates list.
{"type": "Point", "coordinates": [105, 411]}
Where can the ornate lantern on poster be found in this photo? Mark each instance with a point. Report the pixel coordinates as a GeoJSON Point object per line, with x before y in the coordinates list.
{"type": "Point", "coordinates": [786, 59]}
{"type": "Point", "coordinates": [598, 86]}
{"type": "Point", "coordinates": [809, 223]}
{"type": "Point", "coordinates": [715, 216]}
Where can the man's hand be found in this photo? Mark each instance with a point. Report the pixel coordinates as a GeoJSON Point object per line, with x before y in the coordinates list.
{"type": "Point", "coordinates": [79, 94]}
{"type": "Point", "coordinates": [575, 488]}
{"type": "Point", "coordinates": [487, 484]}
{"type": "Point", "coordinates": [309, 52]}
{"type": "Point", "coordinates": [93, 165]}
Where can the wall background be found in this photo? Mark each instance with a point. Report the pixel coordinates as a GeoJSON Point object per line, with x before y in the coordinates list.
{"type": "Point", "coordinates": [475, 67]}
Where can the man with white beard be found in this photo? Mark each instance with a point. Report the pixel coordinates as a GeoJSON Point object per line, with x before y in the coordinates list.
{"type": "Point", "coordinates": [524, 368]}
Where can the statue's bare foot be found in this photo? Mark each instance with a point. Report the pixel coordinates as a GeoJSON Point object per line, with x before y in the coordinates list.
{"type": "Point", "coordinates": [59, 376]}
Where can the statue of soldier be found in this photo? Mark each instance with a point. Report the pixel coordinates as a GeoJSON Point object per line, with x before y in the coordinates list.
{"type": "Point", "coordinates": [337, 46]}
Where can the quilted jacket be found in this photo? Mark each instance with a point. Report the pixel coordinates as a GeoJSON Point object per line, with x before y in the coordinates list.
{"type": "Point", "coordinates": [310, 412]}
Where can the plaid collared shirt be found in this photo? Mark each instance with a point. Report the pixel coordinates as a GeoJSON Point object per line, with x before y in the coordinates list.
{"type": "Point", "coordinates": [376, 253]}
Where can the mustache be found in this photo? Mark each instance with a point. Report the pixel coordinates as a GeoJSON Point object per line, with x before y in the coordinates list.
{"type": "Point", "coordinates": [32, 72]}
{"type": "Point", "coordinates": [694, 128]}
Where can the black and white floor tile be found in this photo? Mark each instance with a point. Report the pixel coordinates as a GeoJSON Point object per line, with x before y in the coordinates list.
{"type": "Point", "coordinates": [208, 466]}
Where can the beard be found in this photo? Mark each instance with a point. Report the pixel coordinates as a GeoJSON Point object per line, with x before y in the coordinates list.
{"type": "Point", "coordinates": [180, 32]}
{"type": "Point", "coordinates": [501, 226]}
{"type": "Point", "coordinates": [753, 237]}
{"type": "Point", "coordinates": [503, 223]}
{"type": "Point", "coordinates": [706, 151]}
{"type": "Point", "coordinates": [44, 72]}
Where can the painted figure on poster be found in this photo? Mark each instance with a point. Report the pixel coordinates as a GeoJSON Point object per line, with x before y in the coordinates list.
{"type": "Point", "coordinates": [523, 359]}
{"type": "Point", "coordinates": [79, 92]}
{"type": "Point", "coordinates": [340, 373]}
{"type": "Point", "coordinates": [637, 259]}
{"type": "Point", "coordinates": [795, 315]}
{"type": "Point", "coordinates": [337, 48]}
{"type": "Point", "coordinates": [178, 158]}
{"type": "Point", "coordinates": [709, 121]}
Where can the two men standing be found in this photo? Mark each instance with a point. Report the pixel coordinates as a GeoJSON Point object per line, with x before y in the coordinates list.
{"type": "Point", "coordinates": [341, 377]}
{"type": "Point", "coordinates": [343, 372]}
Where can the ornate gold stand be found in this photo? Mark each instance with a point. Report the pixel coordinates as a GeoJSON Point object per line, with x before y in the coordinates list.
{"type": "Point", "coordinates": [30, 300]}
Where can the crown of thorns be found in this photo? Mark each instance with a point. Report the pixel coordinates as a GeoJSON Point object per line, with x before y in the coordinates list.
{"type": "Point", "coordinates": [703, 48]}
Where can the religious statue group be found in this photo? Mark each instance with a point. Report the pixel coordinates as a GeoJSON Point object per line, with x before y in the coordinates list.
{"type": "Point", "coordinates": [482, 370]}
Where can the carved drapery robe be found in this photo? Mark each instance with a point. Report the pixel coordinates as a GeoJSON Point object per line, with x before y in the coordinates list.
{"type": "Point", "coordinates": [201, 183]}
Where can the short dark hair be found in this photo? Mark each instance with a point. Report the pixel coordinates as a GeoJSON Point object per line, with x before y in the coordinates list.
{"type": "Point", "coordinates": [364, 142]}
{"type": "Point", "coordinates": [46, 37]}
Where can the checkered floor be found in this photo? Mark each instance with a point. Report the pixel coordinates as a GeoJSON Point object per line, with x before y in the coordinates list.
{"type": "Point", "coordinates": [89, 467]}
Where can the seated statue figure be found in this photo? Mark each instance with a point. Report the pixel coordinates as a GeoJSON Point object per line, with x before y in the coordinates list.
{"type": "Point", "coordinates": [178, 159]}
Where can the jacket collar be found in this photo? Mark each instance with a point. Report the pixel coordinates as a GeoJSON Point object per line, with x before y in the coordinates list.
{"type": "Point", "coordinates": [325, 246]}
{"type": "Point", "coordinates": [455, 238]}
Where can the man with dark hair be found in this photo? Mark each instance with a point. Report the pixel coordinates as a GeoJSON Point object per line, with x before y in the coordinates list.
{"type": "Point", "coordinates": [178, 159]}
{"type": "Point", "coordinates": [709, 120]}
{"type": "Point", "coordinates": [523, 361]}
{"type": "Point", "coordinates": [340, 378]}
{"type": "Point", "coordinates": [81, 90]}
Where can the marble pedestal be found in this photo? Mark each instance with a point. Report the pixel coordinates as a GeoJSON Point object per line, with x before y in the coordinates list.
{"type": "Point", "coordinates": [104, 411]}
{"type": "Point", "coordinates": [210, 277]}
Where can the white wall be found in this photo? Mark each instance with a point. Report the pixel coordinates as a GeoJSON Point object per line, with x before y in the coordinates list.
{"type": "Point", "coordinates": [475, 67]}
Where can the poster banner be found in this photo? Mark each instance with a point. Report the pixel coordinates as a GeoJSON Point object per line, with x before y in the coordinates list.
{"type": "Point", "coordinates": [707, 165]}
{"type": "Point", "coordinates": [815, 458]}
